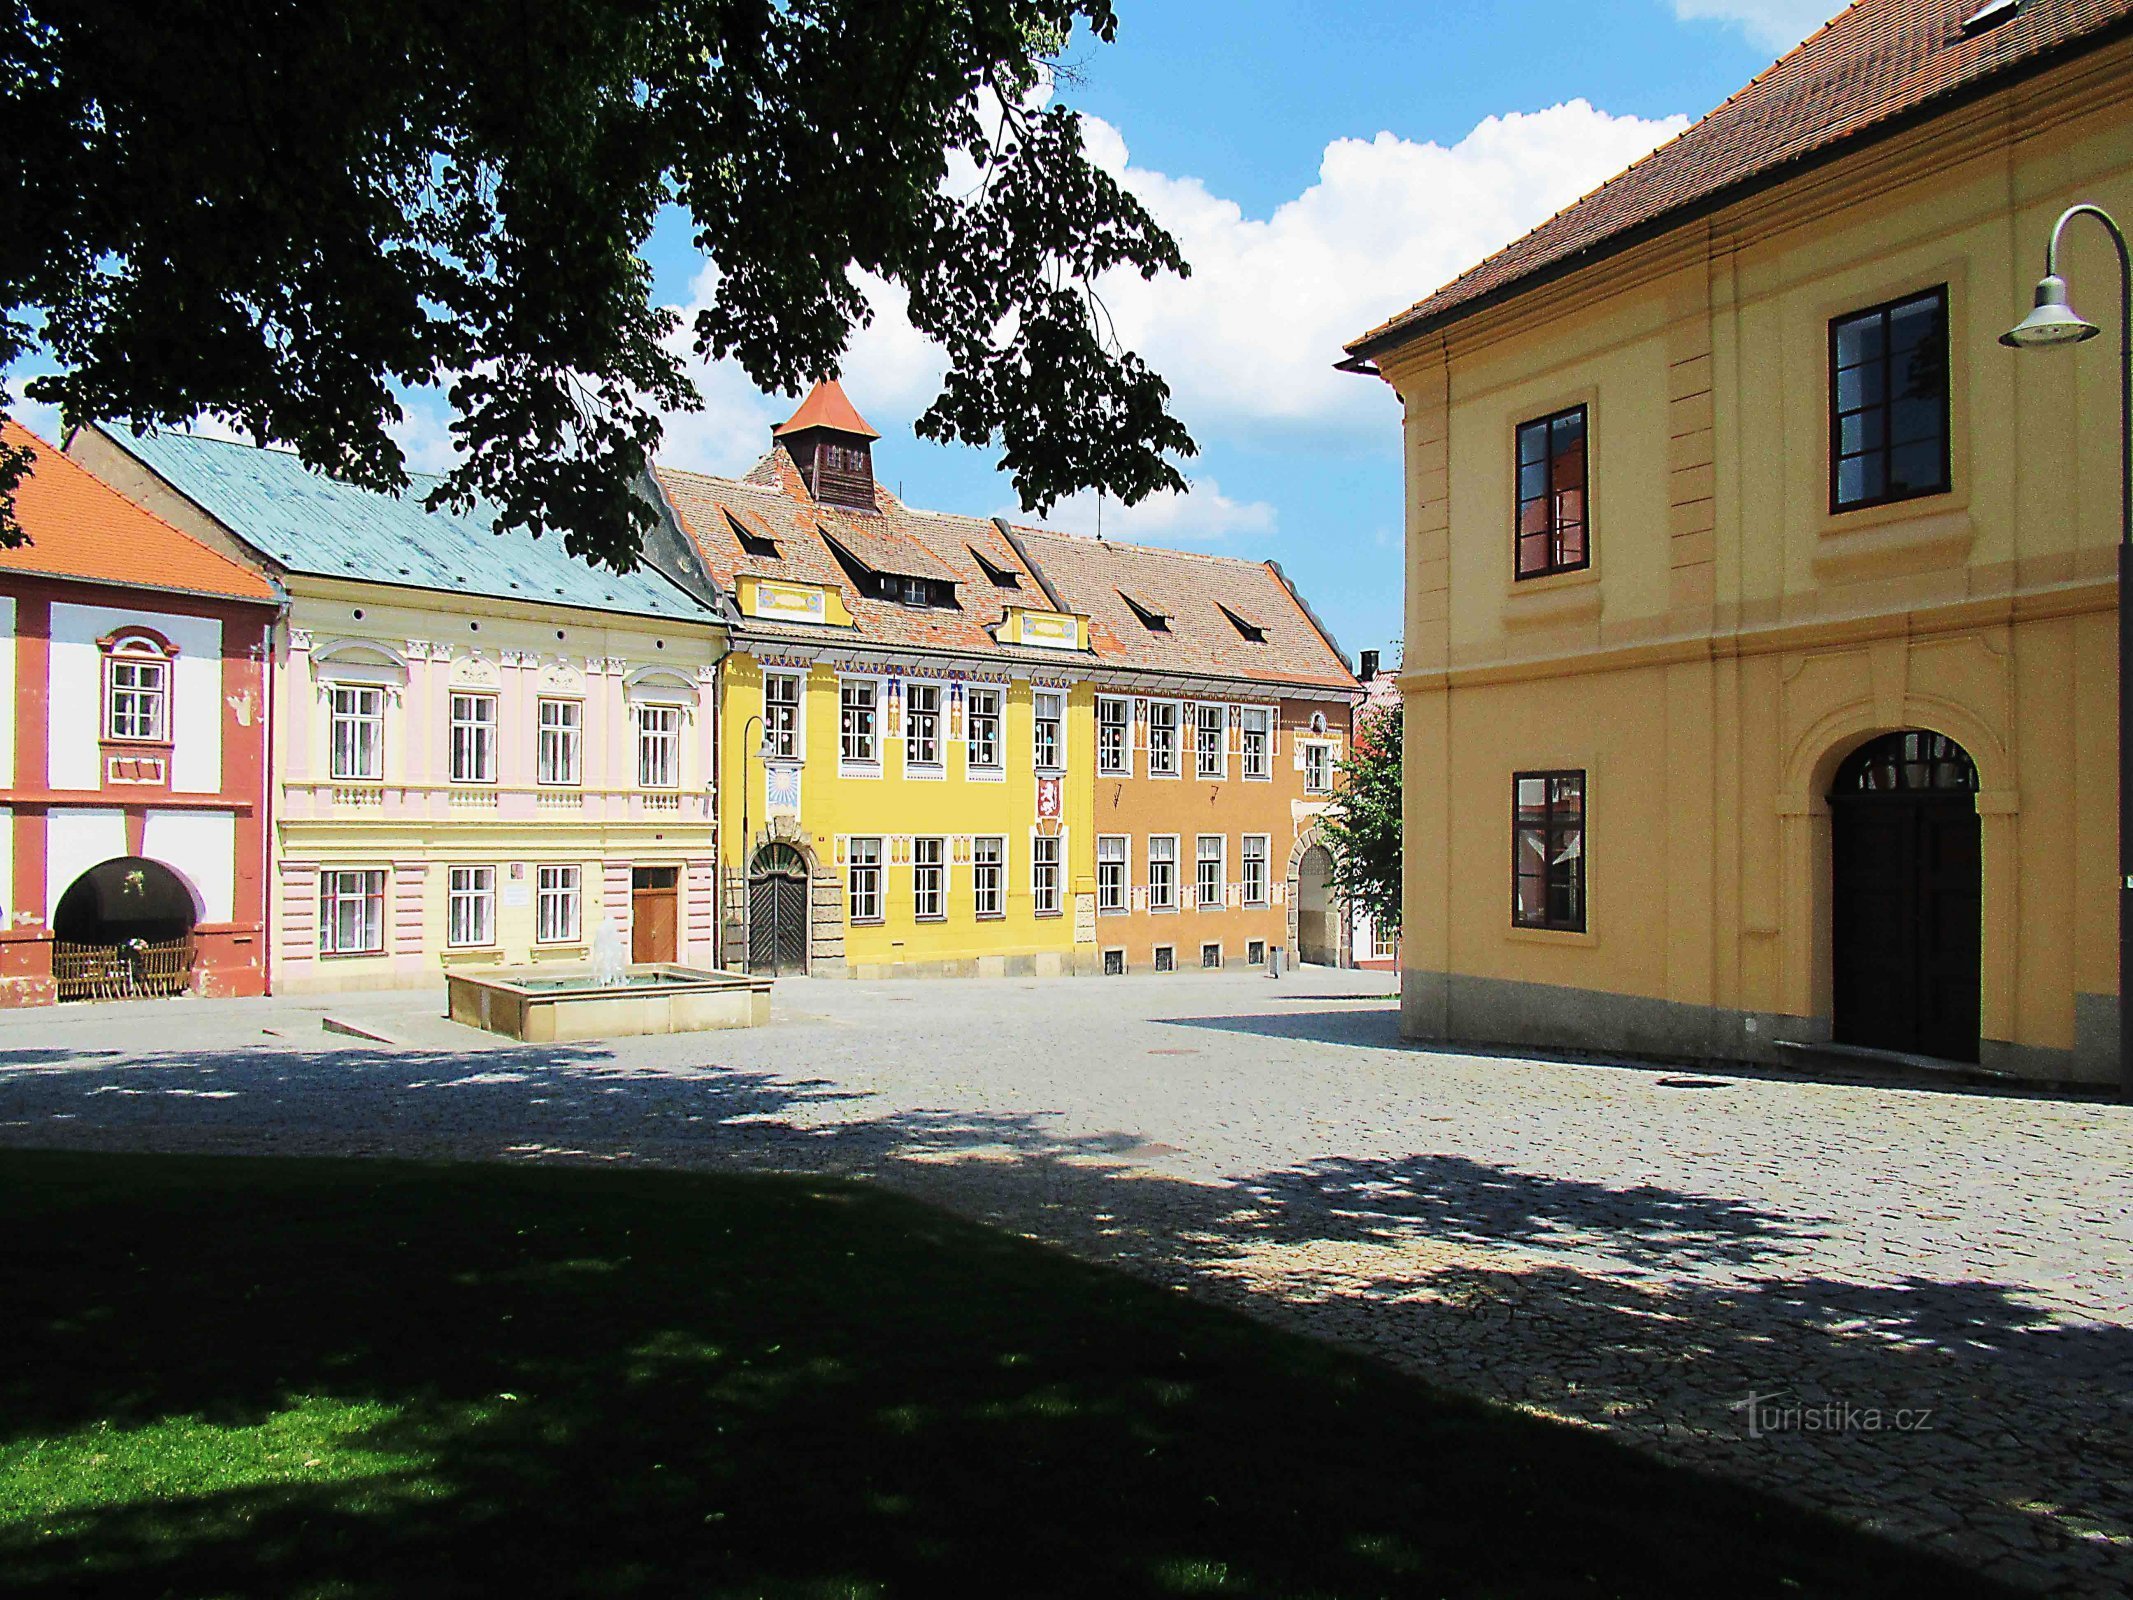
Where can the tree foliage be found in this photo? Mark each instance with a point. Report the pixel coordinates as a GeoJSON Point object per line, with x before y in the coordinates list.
{"type": "Point", "coordinates": [1364, 821]}
{"type": "Point", "coordinates": [277, 213]}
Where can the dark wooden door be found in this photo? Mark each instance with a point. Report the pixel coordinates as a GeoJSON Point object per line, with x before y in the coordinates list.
{"type": "Point", "coordinates": [777, 912]}
{"type": "Point", "coordinates": [655, 914]}
{"type": "Point", "coordinates": [1907, 907]}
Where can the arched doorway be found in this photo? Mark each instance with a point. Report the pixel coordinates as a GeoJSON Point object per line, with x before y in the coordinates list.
{"type": "Point", "coordinates": [124, 928]}
{"type": "Point", "coordinates": [1318, 937]}
{"type": "Point", "coordinates": [1907, 897]}
{"type": "Point", "coordinates": [777, 910]}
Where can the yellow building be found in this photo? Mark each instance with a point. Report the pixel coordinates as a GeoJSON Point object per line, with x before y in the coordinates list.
{"type": "Point", "coordinates": [1759, 668]}
{"type": "Point", "coordinates": [480, 747]}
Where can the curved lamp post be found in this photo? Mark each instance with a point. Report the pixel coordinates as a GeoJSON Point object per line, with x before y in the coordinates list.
{"type": "Point", "coordinates": [2051, 323]}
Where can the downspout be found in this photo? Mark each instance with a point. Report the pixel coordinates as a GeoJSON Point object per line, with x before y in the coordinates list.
{"type": "Point", "coordinates": [268, 772]}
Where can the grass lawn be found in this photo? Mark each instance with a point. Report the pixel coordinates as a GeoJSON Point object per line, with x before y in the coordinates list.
{"type": "Point", "coordinates": [289, 1378]}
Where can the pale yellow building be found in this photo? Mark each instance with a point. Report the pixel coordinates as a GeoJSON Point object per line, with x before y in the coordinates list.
{"type": "Point", "coordinates": [1760, 652]}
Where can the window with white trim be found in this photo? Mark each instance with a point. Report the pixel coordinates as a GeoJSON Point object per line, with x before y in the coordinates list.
{"type": "Point", "coordinates": [559, 741]}
{"type": "Point", "coordinates": [357, 717]}
{"type": "Point", "coordinates": [1162, 739]}
{"type": "Point", "coordinates": [473, 738]}
{"type": "Point", "coordinates": [470, 911]}
{"type": "Point", "coordinates": [1114, 738]}
{"type": "Point", "coordinates": [137, 693]}
{"type": "Point", "coordinates": [1258, 742]}
{"type": "Point", "coordinates": [1113, 872]}
{"type": "Point", "coordinates": [1255, 868]}
{"type": "Point", "coordinates": [1163, 872]}
{"type": "Point", "coordinates": [863, 880]}
{"type": "Point", "coordinates": [929, 879]}
{"type": "Point", "coordinates": [1210, 741]}
{"type": "Point", "coordinates": [1049, 744]}
{"type": "Point", "coordinates": [781, 715]}
{"type": "Point", "coordinates": [1044, 876]}
{"type": "Point", "coordinates": [559, 904]}
{"type": "Point", "coordinates": [1318, 769]}
{"type": "Point", "coordinates": [1207, 871]}
{"type": "Point", "coordinates": [982, 746]}
{"type": "Point", "coordinates": [859, 704]}
{"type": "Point", "coordinates": [351, 913]}
{"type": "Point", "coordinates": [922, 725]}
{"type": "Point", "coordinates": [1384, 942]}
{"type": "Point", "coordinates": [659, 747]}
{"type": "Point", "coordinates": [988, 875]}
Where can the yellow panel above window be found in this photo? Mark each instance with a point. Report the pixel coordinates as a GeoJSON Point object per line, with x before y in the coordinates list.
{"type": "Point", "coordinates": [1046, 630]}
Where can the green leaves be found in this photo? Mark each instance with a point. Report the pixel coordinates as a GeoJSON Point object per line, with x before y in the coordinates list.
{"type": "Point", "coordinates": [282, 215]}
{"type": "Point", "coordinates": [1364, 821]}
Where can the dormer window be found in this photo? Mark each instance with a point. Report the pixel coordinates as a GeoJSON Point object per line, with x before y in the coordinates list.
{"type": "Point", "coordinates": [1153, 620]}
{"type": "Point", "coordinates": [137, 688]}
{"type": "Point", "coordinates": [1250, 631]}
{"type": "Point", "coordinates": [758, 544]}
{"type": "Point", "coordinates": [1002, 577]}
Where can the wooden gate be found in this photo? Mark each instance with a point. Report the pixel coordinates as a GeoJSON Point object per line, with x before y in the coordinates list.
{"type": "Point", "coordinates": [135, 970]}
{"type": "Point", "coordinates": [777, 911]}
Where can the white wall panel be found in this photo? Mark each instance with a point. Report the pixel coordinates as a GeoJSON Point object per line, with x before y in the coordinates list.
{"type": "Point", "coordinates": [75, 841]}
{"type": "Point", "coordinates": [201, 846]}
{"type": "Point", "coordinates": [77, 694]}
{"type": "Point", "coordinates": [7, 698]}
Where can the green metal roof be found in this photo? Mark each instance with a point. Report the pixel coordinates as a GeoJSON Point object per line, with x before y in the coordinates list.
{"type": "Point", "coordinates": [322, 528]}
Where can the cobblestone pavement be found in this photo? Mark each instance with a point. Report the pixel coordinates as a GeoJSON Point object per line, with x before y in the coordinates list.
{"type": "Point", "coordinates": [1929, 1288]}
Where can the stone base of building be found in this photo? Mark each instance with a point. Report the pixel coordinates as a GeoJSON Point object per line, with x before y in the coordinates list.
{"type": "Point", "coordinates": [226, 965]}
{"type": "Point", "coordinates": [1030, 964]}
{"type": "Point", "coordinates": [1452, 1008]}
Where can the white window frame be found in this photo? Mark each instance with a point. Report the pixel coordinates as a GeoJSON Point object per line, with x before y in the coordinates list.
{"type": "Point", "coordinates": [362, 713]}
{"type": "Point", "coordinates": [988, 875]}
{"type": "Point", "coordinates": [1384, 942]}
{"type": "Point", "coordinates": [559, 745]}
{"type": "Point", "coordinates": [1045, 859]}
{"type": "Point", "coordinates": [558, 903]}
{"type": "Point", "coordinates": [1262, 858]}
{"type": "Point", "coordinates": [995, 718]}
{"type": "Point", "coordinates": [929, 878]}
{"type": "Point", "coordinates": [1200, 862]}
{"type": "Point", "coordinates": [855, 752]}
{"type": "Point", "coordinates": [470, 908]}
{"type": "Point", "coordinates": [1319, 755]}
{"type": "Point", "coordinates": [1115, 760]}
{"type": "Point", "coordinates": [473, 736]}
{"type": "Point", "coordinates": [1261, 769]}
{"type": "Point", "coordinates": [1200, 728]}
{"type": "Point", "coordinates": [1174, 766]}
{"type": "Point", "coordinates": [364, 887]}
{"type": "Point", "coordinates": [1114, 889]}
{"type": "Point", "coordinates": [1169, 902]}
{"type": "Point", "coordinates": [658, 745]}
{"type": "Point", "coordinates": [784, 720]}
{"type": "Point", "coordinates": [137, 711]}
{"type": "Point", "coordinates": [912, 759]}
{"type": "Point", "coordinates": [862, 881]}
{"type": "Point", "coordinates": [1048, 730]}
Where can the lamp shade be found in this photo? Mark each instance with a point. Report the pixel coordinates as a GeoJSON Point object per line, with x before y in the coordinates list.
{"type": "Point", "coordinates": [2052, 322]}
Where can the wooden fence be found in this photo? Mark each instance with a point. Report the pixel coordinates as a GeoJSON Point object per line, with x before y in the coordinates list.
{"type": "Point", "coordinates": [132, 971]}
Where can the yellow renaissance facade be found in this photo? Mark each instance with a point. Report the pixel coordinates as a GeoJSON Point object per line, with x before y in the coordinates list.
{"type": "Point", "coordinates": [1760, 650]}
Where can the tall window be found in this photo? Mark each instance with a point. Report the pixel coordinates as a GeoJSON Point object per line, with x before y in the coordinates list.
{"type": "Point", "coordinates": [1111, 872]}
{"type": "Point", "coordinates": [1162, 739]}
{"type": "Point", "coordinates": [863, 881]}
{"type": "Point", "coordinates": [358, 718]}
{"type": "Point", "coordinates": [1551, 495]}
{"type": "Point", "coordinates": [983, 751]}
{"type": "Point", "coordinates": [1210, 753]}
{"type": "Point", "coordinates": [559, 904]}
{"type": "Point", "coordinates": [1318, 769]}
{"type": "Point", "coordinates": [351, 913]}
{"type": "Point", "coordinates": [988, 871]}
{"type": "Point", "coordinates": [1548, 850]}
{"type": "Point", "coordinates": [1044, 876]}
{"type": "Point", "coordinates": [470, 913]}
{"type": "Point", "coordinates": [1888, 402]}
{"type": "Point", "coordinates": [473, 738]}
{"type": "Point", "coordinates": [1114, 738]}
{"type": "Point", "coordinates": [922, 725]}
{"type": "Point", "coordinates": [781, 715]}
{"type": "Point", "coordinates": [1258, 742]}
{"type": "Point", "coordinates": [929, 879]}
{"type": "Point", "coordinates": [561, 742]}
{"type": "Point", "coordinates": [136, 695]}
{"type": "Point", "coordinates": [1163, 872]}
{"type": "Point", "coordinates": [1207, 872]}
{"type": "Point", "coordinates": [1050, 743]}
{"type": "Point", "coordinates": [858, 702]}
{"type": "Point", "coordinates": [1254, 869]}
{"type": "Point", "coordinates": [659, 747]}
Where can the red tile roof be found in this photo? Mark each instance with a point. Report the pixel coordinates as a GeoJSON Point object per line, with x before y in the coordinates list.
{"type": "Point", "coordinates": [1879, 64]}
{"type": "Point", "coordinates": [80, 527]}
{"type": "Point", "coordinates": [826, 406]}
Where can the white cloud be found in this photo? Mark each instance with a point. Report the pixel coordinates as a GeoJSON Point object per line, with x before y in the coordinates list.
{"type": "Point", "coordinates": [1203, 514]}
{"type": "Point", "coordinates": [1777, 25]}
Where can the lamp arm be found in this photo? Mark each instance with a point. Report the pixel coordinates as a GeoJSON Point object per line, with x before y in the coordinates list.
{"type": "Point", "coordinates": [2110, 226]}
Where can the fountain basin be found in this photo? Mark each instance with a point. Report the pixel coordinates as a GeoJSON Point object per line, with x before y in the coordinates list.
{"type": "Point", "coordinates": [567, 1006]}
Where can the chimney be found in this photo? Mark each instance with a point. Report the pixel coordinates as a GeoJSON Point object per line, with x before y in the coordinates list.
{"type": "Point", "coordinates": [1370, 666]}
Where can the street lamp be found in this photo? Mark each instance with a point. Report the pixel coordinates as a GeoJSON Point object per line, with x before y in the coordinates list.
{"type": "Point", "coordinates": [2054, 322]}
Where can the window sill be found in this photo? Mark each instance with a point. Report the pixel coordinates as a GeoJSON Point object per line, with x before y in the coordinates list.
{"type": "Point", "coordinates": [1554, 936]}
{"type": "Point", "coordinates": [991, 916]}
{"type": "Point", "coordinates": [866, 922]}
{"type": "Point", "coordinates": [559, 948]}
{"type": "Point", "coordinates": [1109, 772]}
{"type": "Point", "coordinates": [859, 769]}
{"type": "Point", "coordinates": [1553, 599]}
{"type": "Point", "coordinates": [1050, 913]}
{"type": "Point", "coordinates": [924, 774]}
{"type": "Point", "coordinates": [350, 955]}
{"type": "Point", "coordinates": [986, 774]}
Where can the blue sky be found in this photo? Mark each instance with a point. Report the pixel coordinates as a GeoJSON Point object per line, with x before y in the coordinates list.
{"type": "Point", "coordinates": [1324, 165]}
